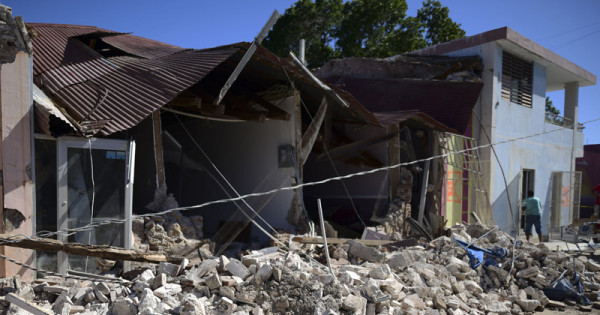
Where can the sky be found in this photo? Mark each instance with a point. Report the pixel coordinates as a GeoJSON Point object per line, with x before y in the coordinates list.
{"type": "Point", "coordinates": [569, 28]}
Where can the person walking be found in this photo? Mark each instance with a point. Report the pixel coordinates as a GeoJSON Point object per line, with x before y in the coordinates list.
{"type": "Point", "coordinates": [533, 215]}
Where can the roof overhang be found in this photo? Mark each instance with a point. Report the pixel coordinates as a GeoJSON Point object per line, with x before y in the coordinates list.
{"type": "Point", "coordinates": [559, 70]}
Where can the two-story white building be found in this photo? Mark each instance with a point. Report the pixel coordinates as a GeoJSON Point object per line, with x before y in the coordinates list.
{"type": "Point", "coordinates": [535, 151]}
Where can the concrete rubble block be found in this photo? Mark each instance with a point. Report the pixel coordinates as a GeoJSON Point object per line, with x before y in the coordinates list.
{"type": "Point", "coordinates": [353, 276]}
{"type": "Point", "coordinates": [401, 260]}
{"type": "Point", "coordinates": [223, 261]}
{"type": "Point", "coordinates": [183, 264]}
{"type": "Point", "coordinates": [124, 306]}
{"type": "Point", "coordinates": [55, 289]}
{"type": "Point", "coordinates": [167, 289]}
{"type": "Point", "coordinates": [355, 304]}
{"type": "Point", "coordinates": [139, 286]}
{"type": "Point", "coordinates": [363, 252]}
{"type": "Point", "coordinates": [145, 276]}
{"type": "Point", "coordinates": [263, 273]}
{"type": "Point", "coordinates": [277, 273]}
{"type": "Point", "coordinates": [463, 265]}
{"type": "Point", "coordinates": [226, 306]}
{"type": "Point", "coordinates": [381, 272]}
{"type": "Point", "coordinates": [453, 302]}
{"type": "Point", "coordinates": [213, 282]}
{"type": "Point", "coordinates": [472, 287]}
{"type": "Point", "coordinates": [102, 287]}
{"type": "Point", "coordinates": [100, 296]}
{"type": "Point", "coordinates": [206, 267]}
{"type": "Point", "coordinates": [592, 265]}
{"type": "Point", "coordinates": [412, 302]}
{"type": "Point", "coordinates": [80, 294]}
{"type": "Point", "coordinates": [169, 269]}
{"type": "Point", "coordinates": [439, 302]}
{"type": "Point", "coordinates": [247, 296]}
{"type": "Point", "coordinates": [528, 272]}
{"type": "Point", "coordinates": [255, 259]}
{"type": "Point", "coordinates": [227, 292]}
{"type": "Point", "coordinates": [236, 268]}
{"type": "Point", "coordinates": [394, 289]}
{"type": "Point", "coordinates": [62, 305]}
{"type": "Point", "coordinates": [304, 276]}
{"type": "Point", "coordinates": [89, 295]}
{"type": "Point", "coordinates": [325, 278]}
{"type": "Point", "coordinates": [528, 305]}
{"type": "Point", "coordinates": [148, 301]}
{"type": "Point", "coordinates": [113, 296]}
{"type": "Point", "coordinates": [159, 281]}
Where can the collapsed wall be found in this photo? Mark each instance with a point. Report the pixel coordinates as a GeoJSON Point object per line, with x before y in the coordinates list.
{"type": "Point", "coordinates": [434, 277]}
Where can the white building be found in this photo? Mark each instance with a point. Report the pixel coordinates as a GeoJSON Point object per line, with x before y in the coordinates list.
{"type": "Point", "coordinates": [517, 74]}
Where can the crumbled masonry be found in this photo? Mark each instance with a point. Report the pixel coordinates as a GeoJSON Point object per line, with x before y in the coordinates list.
{"type": "Point", "coordinates": [429, 278]}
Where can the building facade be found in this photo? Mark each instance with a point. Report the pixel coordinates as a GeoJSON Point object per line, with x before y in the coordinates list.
{"type": "Point", "coordinates": [531, 150]}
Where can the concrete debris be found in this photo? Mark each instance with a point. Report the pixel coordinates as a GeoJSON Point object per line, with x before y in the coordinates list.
{"type": "Point", "coordinates": [428, 278]}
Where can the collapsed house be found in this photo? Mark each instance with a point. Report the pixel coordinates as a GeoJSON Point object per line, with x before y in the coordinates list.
{"type": "Point", "coordinates": [517, 73]}
{"type": "Point", "coordinates": [112, 109]}
{"type": "Point", "coordinates": [422, 106]}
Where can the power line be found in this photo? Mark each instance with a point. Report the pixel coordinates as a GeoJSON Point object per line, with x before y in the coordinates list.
{"type": "Point", "coordinates": [569, 31]}
{"type": "Point", "coordinates": [576, 39]}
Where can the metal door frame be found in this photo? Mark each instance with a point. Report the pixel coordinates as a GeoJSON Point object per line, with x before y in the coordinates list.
{"type": "Point", "coordinates": [63, 144]}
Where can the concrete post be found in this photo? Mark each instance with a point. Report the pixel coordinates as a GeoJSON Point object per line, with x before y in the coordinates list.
{"type": "Point", "coordinates": [571, 101]}
{"type": "Point", "coordinates": [571, 107]}
{"type": "Point", "coordinates": [16, 100]}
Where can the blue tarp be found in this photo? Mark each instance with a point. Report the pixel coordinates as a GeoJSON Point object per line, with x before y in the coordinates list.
{"type": "Point", "coordinates": [477, 255]}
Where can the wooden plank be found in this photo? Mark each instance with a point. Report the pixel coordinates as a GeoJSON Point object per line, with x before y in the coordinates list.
{"type": "Point", "coordinates": [274, 111]}
{"type": "Point", "coordinates": [337, 241]}
{"type": "Point", "coordinates": [393, 159]}
{"type": "Point", "coordinates": [424, 182]}
{"type": "Point", "coordinates": [22, 303]}
{"type": "Point", "coordinates": [102, 251]}
{"type": "Point", "coordinates": [238, 69]}
{"type": "Point", "coordinates": [158, 149]}
{"type": "Point", "coordinates": [310, 136]}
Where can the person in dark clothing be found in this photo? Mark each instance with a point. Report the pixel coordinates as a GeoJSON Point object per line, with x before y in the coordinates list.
{"type": "Point", "coordinates": [533, 215]}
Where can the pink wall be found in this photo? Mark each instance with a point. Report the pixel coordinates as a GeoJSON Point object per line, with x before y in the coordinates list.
{"type": "Point", "coordinates": [16, 100]}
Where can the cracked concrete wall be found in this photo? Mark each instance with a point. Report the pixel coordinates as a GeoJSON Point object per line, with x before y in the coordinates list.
{"type": "Point", "coordinates": [16, 102]}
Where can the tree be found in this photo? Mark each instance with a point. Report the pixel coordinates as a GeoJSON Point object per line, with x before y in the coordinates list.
{"type": "Point", "coordinates": [360, 28]}
{"type": "Point", "coordinates": [550, 107]}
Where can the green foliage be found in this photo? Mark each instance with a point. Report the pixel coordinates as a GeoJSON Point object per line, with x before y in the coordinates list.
{"type": "Point", "coordinates": [360, 28]}
{"type": "Point", "coordinates": [550, 108]}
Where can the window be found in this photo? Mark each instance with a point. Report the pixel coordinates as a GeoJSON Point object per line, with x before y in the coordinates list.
{"type": "Point", "coordinates": [517, 77]}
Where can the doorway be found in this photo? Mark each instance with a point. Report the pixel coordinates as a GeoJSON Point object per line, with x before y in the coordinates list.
{"type": "Point", "coordinates": [527, 184]}
{"type": "Point", "coordinates": [93, 183]}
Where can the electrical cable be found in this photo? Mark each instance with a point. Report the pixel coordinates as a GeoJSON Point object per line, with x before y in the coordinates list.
{"type": "Point", "coordinates": [93, 200]}
{"type": "Point", "coordinates": [328, 155]}
{"type": "Point", "coordinates": [327, 180]}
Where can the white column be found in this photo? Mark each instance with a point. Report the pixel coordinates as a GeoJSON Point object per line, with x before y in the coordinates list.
{"type": "Point", "coordinates": [571, 106]}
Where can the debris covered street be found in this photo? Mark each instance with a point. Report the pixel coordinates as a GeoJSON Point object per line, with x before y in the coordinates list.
{"type": "Point", "coordinates": [434, 277]}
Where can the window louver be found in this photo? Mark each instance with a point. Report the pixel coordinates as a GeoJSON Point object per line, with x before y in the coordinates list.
{"type": "Point", "coordinates": [517, 78]}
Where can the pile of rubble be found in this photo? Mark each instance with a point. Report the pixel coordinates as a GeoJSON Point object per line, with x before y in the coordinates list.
{"type": "Point", "coordinates": [430, 278]}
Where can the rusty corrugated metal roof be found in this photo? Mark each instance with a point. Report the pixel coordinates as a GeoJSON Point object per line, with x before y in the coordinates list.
{"type": "Point", "coordinates": [122, 89]}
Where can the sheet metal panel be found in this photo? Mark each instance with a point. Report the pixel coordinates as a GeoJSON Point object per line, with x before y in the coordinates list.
{"type": "Point", "coordinates": [123, 89]}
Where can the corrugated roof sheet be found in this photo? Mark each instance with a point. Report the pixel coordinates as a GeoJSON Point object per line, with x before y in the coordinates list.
{"type": "Point", "coordinates": [122, 89]}
{"type": "Point", "coordinates": [450, 103]}
{"type": "Point", "coordinates": [142, 75]}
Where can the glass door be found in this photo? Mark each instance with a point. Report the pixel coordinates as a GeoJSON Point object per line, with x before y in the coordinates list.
{"type": "Point", "coordinates": [95, 181]}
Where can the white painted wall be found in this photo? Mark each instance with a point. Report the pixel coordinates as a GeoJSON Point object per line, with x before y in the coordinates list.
{"type": "Point", "coordinates": [505, 121]}
{"type": "Point", "coordinates": [246, 154]}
